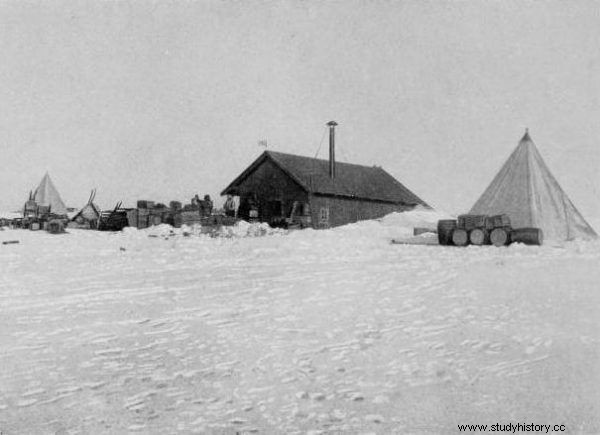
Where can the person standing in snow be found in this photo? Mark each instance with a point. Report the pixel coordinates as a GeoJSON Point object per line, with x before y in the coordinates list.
{"type": "Point", "coordinates": [229, 206]}
{"type": "Point", "coordinates": [208, 205]}
{"type": "Point", "coordinates": [196, 202]}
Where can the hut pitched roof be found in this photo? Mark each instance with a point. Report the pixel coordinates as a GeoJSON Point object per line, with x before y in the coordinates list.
{"type": "Point", "coordinates": [352, 181]}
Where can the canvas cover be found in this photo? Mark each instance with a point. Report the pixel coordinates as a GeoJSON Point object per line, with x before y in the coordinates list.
{"type": "Point", "coordinates": [525, 190]}
{"type": "Point", "coordinates": [89, 212]}
{"type": "Point", "coordinates": [47, 195]}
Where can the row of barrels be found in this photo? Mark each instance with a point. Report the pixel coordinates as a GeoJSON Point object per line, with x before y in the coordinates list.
{"type": "Point", "coordinates": [450, 234]}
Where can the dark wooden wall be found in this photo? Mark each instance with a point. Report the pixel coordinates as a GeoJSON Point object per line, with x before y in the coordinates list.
{"type": "Point", "coordinates": [270, 183]}
{"type": "Point", "coordinates": [346, 210]}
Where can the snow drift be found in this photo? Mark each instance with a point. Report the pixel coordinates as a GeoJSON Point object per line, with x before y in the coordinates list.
{"type": "Point", "coordinates": [334, 331]}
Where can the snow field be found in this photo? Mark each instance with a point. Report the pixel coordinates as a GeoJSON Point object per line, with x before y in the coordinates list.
{"type": "Point", "coordinates": [333, 331]}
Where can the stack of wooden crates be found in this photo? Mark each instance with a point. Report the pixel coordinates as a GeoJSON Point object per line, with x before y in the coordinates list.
{"type": "Point", "coordinates": [148, 214]}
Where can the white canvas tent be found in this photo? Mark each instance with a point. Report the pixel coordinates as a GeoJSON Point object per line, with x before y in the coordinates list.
{"type": "Point", "coordinates": [47, 195]}
{"type": "Point", "coordinates": [525, 190]}
{"type": "Point", "coordinates": [89, 214]}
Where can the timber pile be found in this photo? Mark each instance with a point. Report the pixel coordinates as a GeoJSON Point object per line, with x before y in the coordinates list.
{"type": "Point", "coordinates": [485, 230]}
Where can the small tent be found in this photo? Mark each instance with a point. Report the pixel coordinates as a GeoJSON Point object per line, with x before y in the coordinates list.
{"type": "Point", "coordinates": [89, 215]}
{"type": "Point", "coordinates": [526, 191]}
{"type": "Point", "coordinates": [47, 195]}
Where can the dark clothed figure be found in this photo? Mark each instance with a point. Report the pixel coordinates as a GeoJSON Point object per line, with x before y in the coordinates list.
{"type": "Point", "coordinates": [229, 206]}
{"type": "Point", "coordinates": [244, 208]}
{"type": "Point", "coordinates": [208, 205]}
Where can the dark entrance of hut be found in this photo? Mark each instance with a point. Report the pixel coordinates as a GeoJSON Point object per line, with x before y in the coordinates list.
{"type": "Point", "coordinates": [277, 209]}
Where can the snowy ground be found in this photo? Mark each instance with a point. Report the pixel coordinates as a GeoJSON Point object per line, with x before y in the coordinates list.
{"type": "Point", "coordinates": [336, 331]}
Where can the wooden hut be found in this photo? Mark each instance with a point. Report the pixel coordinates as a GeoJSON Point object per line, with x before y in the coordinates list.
{"type": "Point", "coordinates": [283, 189]}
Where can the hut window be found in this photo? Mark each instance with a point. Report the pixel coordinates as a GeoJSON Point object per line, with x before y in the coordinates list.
{"type": "Point", "coordinates": [324, 215]}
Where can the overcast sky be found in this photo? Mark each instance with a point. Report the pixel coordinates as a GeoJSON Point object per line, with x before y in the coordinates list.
{"type": "Point", "coordinates": [164, 100]}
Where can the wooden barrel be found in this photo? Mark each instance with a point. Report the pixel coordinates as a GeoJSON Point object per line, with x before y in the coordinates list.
{"type": "Point", "coordinates": [445, 227]}
{"type": "Point", "coordinates": [477, 236]}
{"type": "Point", "coordinates": [460, 237]}
{"type": "Point", "coordinates": [499, 237]}
{"type": "Point", "coordinates": [528, 236]}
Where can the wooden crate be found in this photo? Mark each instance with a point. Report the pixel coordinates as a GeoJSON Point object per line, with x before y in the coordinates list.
{"type": "Point", "coordinates": [143, 215]}
{"type": "Point", "coordinates": [132, 217]}
{"type": "Point", "coordinates": [499, 221]}
{"type": "Point", "coordinates": [471, 221]}
{"type": "Point", "coordinates": [142, 203]}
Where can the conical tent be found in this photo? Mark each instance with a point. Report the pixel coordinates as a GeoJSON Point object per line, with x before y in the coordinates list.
{"type": "Point", "coordinates": [526, 191]}
{"type": "Point", "coordinates": [90, 212]}
{"type": "Point", "coordinates": [47, 195]}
